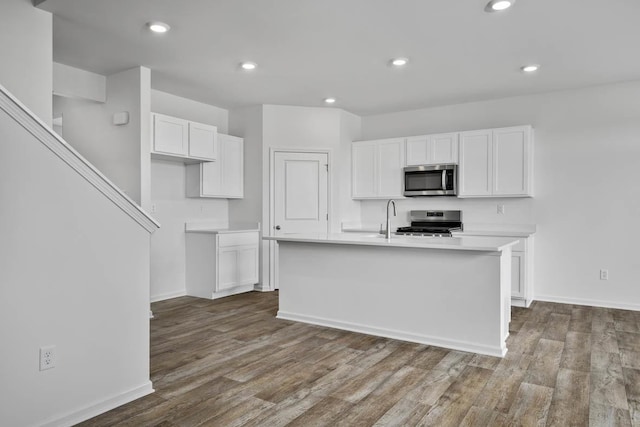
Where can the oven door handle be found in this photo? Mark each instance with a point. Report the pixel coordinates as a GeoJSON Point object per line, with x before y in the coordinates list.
{"type": "Point", "coordinates": [444, 180]}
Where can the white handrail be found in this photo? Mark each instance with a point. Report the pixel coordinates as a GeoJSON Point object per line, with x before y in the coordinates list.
{"type": "Point", "coordinates": [41, 131]}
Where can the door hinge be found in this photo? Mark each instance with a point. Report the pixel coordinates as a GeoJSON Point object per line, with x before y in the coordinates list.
{"type": "Point", "coordinates": [327, 166]}
{"type": "Point", "coordinates": [327, 216]}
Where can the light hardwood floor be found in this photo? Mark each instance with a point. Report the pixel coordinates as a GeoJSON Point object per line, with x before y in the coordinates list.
{"type": "Point", "coordinates": [229, 362]}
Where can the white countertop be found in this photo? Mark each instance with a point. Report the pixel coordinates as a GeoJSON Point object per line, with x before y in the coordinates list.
{"type": "Point", "coordinates": [216, 228]}
{"type": "Point", "coordinates": [498, 230]}
{"type": "Point", "coordinates": [475, 243]}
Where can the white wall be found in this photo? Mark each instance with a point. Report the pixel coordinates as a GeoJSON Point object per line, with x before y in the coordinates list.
{"type": "Point", "coordinates": [121, 153]}
{"type": "Point", "coordinates": [310, 128]}
{"type": "Point", "coordinates": [587, 201]}
{"type": "Point", "coordinates": [26, 53]}
{"type": "Point", "coordinates": [73, 82]}
{"type": "Point", "coordinates": [170, 205]}
{"type": "Point", "coordinates": [74, 273]}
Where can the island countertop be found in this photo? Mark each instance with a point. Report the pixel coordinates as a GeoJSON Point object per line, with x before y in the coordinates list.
{"type": "Point", "coordinates": [463, 243]}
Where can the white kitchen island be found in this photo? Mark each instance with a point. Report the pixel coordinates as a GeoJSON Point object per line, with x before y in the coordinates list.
{"type": "Point", "coordinates": [451, 292]}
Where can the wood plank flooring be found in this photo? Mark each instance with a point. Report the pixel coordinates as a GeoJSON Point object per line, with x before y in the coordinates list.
{"type": "Point", "coordinates": [229, 362]}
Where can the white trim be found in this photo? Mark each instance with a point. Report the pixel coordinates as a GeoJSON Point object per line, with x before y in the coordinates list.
{"type": "Point", "coordinates": [273, 248]}
{"type": "Point", "coordinates": [29, 121]}
{"type": "Point", "coordinates": [588, 302]}
{"type": "Point", "coordinates": [233, 291]}
{"type": "Point", "coordinates": [168, 295]}
{"type": "Point", "coordinates": [101, 407]}
{"type": "Point", "coordinates": [397, 335]}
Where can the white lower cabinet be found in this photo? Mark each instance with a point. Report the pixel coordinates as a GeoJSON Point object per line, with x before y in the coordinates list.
{"type": "Point", "coordinates": [221, 264]}
{"type": "Point", "coordinates": [522, 272]}
{"type": "Point", "coordinates": [517, 276]}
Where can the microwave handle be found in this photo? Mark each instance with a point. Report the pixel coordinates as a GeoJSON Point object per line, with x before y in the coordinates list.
{"type": "Point", "coordinates": [444, 179]}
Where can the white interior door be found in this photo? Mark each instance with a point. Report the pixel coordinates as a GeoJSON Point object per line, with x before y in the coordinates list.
{"type": "Point", "coordinates": [300, 192]}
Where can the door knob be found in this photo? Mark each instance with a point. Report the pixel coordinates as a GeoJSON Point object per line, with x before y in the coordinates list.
{"type": "Point", "coordinates": [277, 227]}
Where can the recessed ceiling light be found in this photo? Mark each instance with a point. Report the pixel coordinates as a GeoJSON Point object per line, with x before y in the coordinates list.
{"type": "Point", "coordinates": [158, 27]}
{"type": "Point", "coordinates": [329, 100]}
{"type": "Point", "coordinates": [399, 62]}
{"type": "Point", "coordinates": [498, 5]}
{"type": "Point", "coordinates": [248, 65]}
{"type": "Point", "coordinates": [530, 68]}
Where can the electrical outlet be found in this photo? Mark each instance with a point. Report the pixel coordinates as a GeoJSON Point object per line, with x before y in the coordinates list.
{"type": "Point", "coordinates": [47, 357]}
{"type": "Point", "coordinates": [500, 209]}
{"type": "Point", "coordinates": [153, 208]}
{"type": "Point", "coordinates": [604, 274]}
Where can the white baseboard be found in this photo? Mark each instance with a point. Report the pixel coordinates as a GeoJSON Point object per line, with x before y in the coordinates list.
{"type": "Point", "coordinates": [397, 335]}
{"type": "Point", "coordinates": [233, 291]}
{"type": "Point", "coordinates": [259, 288]}
{"type": "Point", "coordinates": [101, 407]}
{"type": "Point", "coordinates": [589, 302]}
{"type": "Point", "coordinates": [168, 295]}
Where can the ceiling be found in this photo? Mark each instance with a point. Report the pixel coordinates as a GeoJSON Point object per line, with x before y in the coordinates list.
{"type": "Point", "coordinates": [307, 50]}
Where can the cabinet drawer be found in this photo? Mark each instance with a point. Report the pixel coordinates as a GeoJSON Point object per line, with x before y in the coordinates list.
{"type": "Point", "coordinates": [238, 239]}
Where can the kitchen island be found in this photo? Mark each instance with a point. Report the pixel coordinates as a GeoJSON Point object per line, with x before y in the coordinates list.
{"type": "Point", "coordinates": [451, 292]}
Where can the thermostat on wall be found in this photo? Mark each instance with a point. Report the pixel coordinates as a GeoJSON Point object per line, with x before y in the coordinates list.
{"type": "Point", "coordinates": [120, 119]}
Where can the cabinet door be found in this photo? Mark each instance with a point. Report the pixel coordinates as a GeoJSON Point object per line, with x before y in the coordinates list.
{"type": "Point", "coordinates": [211, 178]}
{"type": "Point", "coordinates": [417, 150]}
{"type": "Point", "coordinates": [248, 265]}
{"type": "Point", "coordinates": [517, 274]}
{"type": "Point", "coordinates": [443, 148]}
{"type": "Point", "coordinates": [511, 161]}
{"type": "Point", "coordinates": [203, 141]}
{"type": "Point", "coordinates": [476, 163]}
{"type": "Point", "coordinates": [170, 135]}
{"type": "Point", "coordinates": [232, 159]}
{"type": "Point", "coordinates": [390, 168]}
{"type": "Point", "coordinates": [227, 268]}
{"type": "Point", "coordinates": [363, 170]}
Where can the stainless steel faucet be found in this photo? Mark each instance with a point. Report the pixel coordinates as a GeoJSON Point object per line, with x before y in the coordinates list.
{"type": "Point", "coordinates": [387, 233]}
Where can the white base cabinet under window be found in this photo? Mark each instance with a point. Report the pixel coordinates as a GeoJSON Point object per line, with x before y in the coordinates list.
{"type": "Point", "coordinates": [223, 178]}
{"type": "Point", "coordinates": [221, 263]}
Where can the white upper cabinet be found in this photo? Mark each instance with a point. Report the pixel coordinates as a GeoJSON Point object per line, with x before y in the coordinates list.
{"type": "Point", "coordinates": [377, 168]}
{"type": "Point", "coordinates": [476, 163]}
{"type": "Point", "coordinates": [182, 140]}
{"type": "Point", "coordinates": [223, 178]}
{"type": "Point", "coordinates": [202, 141]}
{"type": "Point", "coordinates": [496, 163]}
{"type": "Point", "coordinates": [432, 149]}
{"type": "Point", "coordinates": [170, 135]}
{"type": "Point", "coordinates": [512, 161]}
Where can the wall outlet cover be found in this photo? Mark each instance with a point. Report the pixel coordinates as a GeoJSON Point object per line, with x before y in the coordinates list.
{"type": "Point", "coordinates": [47, 357]}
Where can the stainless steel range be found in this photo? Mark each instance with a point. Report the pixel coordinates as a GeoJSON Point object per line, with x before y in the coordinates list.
{"type": "Point", "coordinates": [432, 223]}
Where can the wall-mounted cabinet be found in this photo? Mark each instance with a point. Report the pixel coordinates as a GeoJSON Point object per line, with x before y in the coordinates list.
{"type": "Point", "coordinates": [432, 149]}
{"type": "Point", "coordinates": [221, 263]}
{"type": "Point", "coordinates": [496, 163]}
{"type": "Point", "coordinates": [223, 178]}
{"type": "Point", "coordinates": [377, 169]}
{"type": "Point", "coordinates": [177, 139]}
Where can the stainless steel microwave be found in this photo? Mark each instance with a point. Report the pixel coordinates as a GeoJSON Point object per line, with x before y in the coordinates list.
{"type": "Point", "coordinates": [431, 180]}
